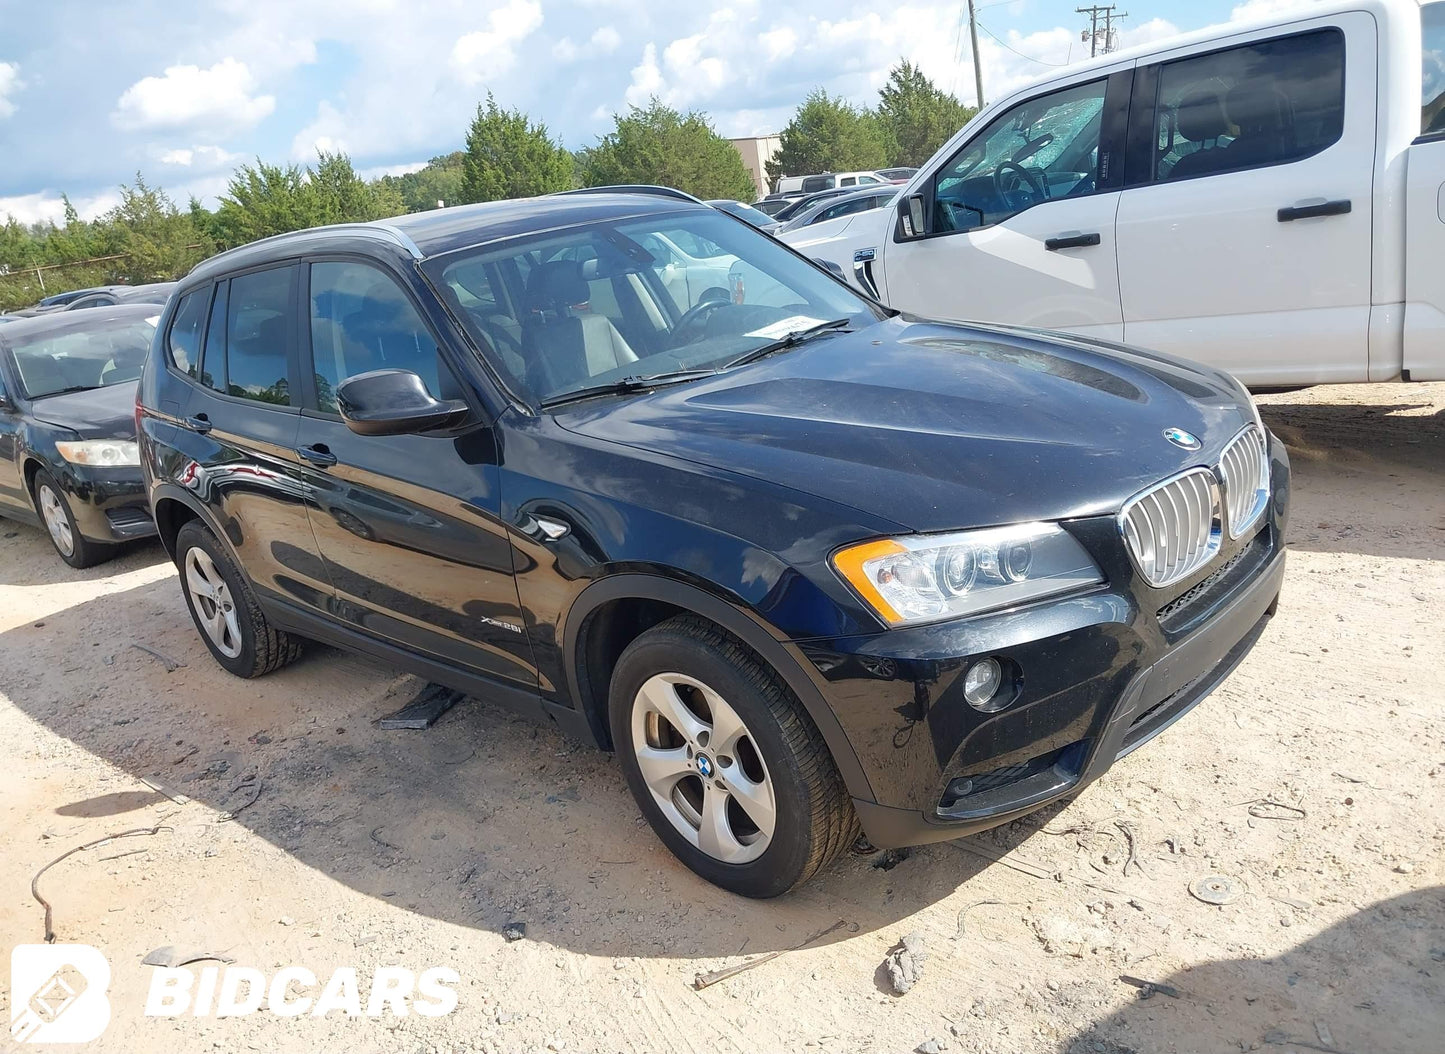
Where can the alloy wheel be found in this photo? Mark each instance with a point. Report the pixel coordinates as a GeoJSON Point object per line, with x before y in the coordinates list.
{"type": "Point", "coordinates": [211, 598]}
{"type": "Point", "coordinates": [56, 521]}
{"type": "Point", "coordinates": [702, 768]}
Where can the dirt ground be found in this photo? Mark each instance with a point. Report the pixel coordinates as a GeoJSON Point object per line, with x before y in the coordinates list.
{"type": "Point", "coordinates": [367, 848]}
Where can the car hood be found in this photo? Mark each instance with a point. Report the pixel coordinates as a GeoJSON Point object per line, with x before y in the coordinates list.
{"type": "Point", "coordinates": [98, 413]}
{"type": "Point", "coordinates": [935, 426]}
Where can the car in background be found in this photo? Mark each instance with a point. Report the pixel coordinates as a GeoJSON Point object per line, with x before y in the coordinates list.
{"type": "Point", "coordinates": [68, 458]}
{"type": "Point", "coordinates": [843, 205]}
{"type": "Point", "coordinates": [774, 203]}
{"type": "Point", "coordinates": [759, 219]}
{"type": "Point", "coordinates": [59, 300]}
{"type": "Point", "coordinates": [797, 205]}
{"type": "Point", "coordinates": [810, 567]}
{"type": "Point", "coordinates": [827, 181]}
{"type": "Point", "coordinates": [110, 295]}
{"type": "Point", "coordinates": [898, 175]}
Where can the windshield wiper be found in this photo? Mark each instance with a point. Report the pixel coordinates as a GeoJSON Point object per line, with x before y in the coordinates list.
{"type": "Point", "coordinates": [790, 340]}
{"type": "Point", "coordinates": [66, 391]}
{"type": "Point", "coordinates": [626, 385]}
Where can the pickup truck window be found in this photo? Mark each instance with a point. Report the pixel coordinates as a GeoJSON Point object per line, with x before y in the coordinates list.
{"type": "Point", "coordinates": [1265, 103]}
{"type": "Point", "coordinates": [1432, 84]}
{"type": "Point", "coordinates": [1044, 148]}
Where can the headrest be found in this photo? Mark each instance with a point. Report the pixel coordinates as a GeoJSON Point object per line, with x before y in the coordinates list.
{"type": "Point", "coordinates": [557, 285]}
{"type": "Point", "coordinates": [1256, 108]}
{"type": "Point", "coordinates": [1201, 116]}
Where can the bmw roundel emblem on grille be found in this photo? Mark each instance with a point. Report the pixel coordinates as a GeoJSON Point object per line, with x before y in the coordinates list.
{"type": "Point", "coordinates": [1181, 438]}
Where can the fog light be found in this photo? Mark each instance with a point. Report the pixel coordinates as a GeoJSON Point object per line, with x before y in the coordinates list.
{"type": "Point", "coordinates": [981, 684]}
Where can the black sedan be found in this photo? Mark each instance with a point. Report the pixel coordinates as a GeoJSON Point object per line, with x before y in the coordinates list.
{"type": "Point", "coordinates": [67, 428]}
{"type": "Point", "coordinates": [111, 295]}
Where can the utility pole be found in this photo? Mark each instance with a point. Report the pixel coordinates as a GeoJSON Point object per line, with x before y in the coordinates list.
{"type": "Point", "coordinates": [1107, 15]}
{"type": "Point", "coordinates": [977, 64]}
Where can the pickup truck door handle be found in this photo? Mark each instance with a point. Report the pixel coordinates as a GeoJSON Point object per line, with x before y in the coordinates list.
{"type": "Point", "coordinates": [1323, 208]}
{"type": "Point", "coordinates": [200, 424]}
{"type": "Point", "coordinates": [318, 455]}
{"type": "Point", "coordinates": [1071, 240]}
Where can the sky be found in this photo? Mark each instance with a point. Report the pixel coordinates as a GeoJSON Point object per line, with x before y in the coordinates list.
{"type": "Point", "coordinates": [92, 92]}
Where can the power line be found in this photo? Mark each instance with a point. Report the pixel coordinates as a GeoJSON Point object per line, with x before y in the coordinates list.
{"type": "Point", "coordinates": [1016, 51]}
{"type": "Point", "coordinates": [1094, 36]}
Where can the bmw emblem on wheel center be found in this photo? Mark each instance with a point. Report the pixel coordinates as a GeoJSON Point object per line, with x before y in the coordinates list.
{"type": "Point", "coordinates": [1181, 438]}
{"type": "Point", "coordinates": [704, 766]}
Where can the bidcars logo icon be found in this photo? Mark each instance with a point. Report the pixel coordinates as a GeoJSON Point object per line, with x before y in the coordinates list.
{"type": "Point", "coordinates": [57, 993]}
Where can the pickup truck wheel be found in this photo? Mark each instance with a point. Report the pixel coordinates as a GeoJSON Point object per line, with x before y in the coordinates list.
{"type": "Point", "coordinates": [224, 608]}
{"type": "Point", "coordinates": [72, 546]}
{"type": "Point", "coordinates": [725, 764]}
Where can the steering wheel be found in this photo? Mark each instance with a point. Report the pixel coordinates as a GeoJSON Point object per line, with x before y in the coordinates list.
{"type": "Point", "coordinates": [711, 299]}
{"type": "Point", "coordinates": [1029, 178]}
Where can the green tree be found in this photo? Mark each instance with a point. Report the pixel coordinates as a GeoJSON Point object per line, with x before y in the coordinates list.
{"type": "Point", "coordinates": [658, 145]}
{"type": "Point", "coordinates": [262, 200]}
{"type": "Point", "coordinates": [916, 115]}
{"type": "Point", "coordinates": [439, 180]}
{"type": "Point", "coordinates": [508, 156]}
{"type": "Point", "coordinates": [829, 134]}
{"type": "Point", "coordinates": [159, 241]}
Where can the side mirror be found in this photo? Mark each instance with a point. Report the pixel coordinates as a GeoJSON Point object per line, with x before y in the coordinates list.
{"type": "Point", "coordinates": [912, 218]}
{"type": "Point", "coordinates": [394, 402]}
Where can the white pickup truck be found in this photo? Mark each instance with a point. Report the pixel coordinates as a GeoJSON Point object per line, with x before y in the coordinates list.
{"type": "Point", "coordinates": [1265, 197]}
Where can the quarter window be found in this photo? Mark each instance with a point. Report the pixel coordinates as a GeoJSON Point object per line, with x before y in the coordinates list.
{"type": "Point", "coordinates": [256, 337]}
{"type": "Point", "coordinates": [184, 342]}
{"type": "Point", "coordinates": [1266, 103]}
{"type": "Point", "coordinates": [362, 321]}
{"type": "Point", "coordinates": [1039, 150]}
{"type": "Point", "coordinates": [1432, 82]}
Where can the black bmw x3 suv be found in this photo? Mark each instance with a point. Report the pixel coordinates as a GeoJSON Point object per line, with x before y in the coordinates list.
{"type": "Point", "coordinates": [620, 461]}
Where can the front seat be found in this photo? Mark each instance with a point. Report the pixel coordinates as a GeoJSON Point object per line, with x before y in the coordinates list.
{"type": "Point", "coordinates": [1200, 118]}
{"type": "Point", "coordinates": [564, 343]}
{"type": "Point", "coordinates": [1266, 124]}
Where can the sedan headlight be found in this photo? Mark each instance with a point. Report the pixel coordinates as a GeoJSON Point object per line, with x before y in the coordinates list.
{"type": "Point", "coordinates": [101, 453]}
{"type": "Point", "coordinates": [924, 578]}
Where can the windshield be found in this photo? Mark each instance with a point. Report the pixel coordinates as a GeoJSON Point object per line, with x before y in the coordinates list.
{"type": "Point", "coordinates": [638, 298]}
{"type": "Point", "coordinates": [72, 359]}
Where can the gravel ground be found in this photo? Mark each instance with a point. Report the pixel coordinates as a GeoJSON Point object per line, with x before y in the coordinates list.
{"type": "Point", "coordinates": [367, 848]}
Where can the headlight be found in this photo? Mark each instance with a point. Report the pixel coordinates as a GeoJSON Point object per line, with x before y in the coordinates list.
{"type": "Point", "coordinates": [924, 578]}
{"type": "Point", "coordinates": [101, 453]}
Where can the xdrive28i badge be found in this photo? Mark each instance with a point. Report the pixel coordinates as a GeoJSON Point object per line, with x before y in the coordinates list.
{"type": "Point", "coordinates": [1181, 438]}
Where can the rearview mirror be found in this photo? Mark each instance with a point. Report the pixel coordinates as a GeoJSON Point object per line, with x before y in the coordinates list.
{"type": "Point", "coordinates": [394, 402]}
{"type": "Point", "coordinates": [912, 218]}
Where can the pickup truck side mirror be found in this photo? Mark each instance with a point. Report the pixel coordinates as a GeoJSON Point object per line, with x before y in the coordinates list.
{"type": "Point", "coordinates": [912, 218]}
{"type": "Point", "coordinates": [394, 402]}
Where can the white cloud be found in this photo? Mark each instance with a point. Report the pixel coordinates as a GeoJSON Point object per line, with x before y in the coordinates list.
{"type": "Point", "coordinates": [646, 78]}
{"type": "Point", "coordinates": [47, 206]}
{"type": "Point", "coordinates": [391, 170]}
{"type": "Point", "coordinates": [10, 84]}
{"type": "Point", "coordinates": [605, 40]}
{"type": "Point", "coordinates": [212, 99]}
{"type": "Point", "coordinates": [488, 53]}
{"type": "Point", "coordinates": [200, 158]}
{"type": "Point", "coordinates": [1255, 9]}
{"type": "Point", "coordinates": [565, 51]}
{"type": "Point", "coordinates": [778, 43]}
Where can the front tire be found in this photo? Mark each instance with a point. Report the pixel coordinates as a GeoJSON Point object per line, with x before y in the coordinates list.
{"type": "Point", "coordinates": [224, 608]}
{"type": "Point", "coordinates": [724, 762]}
{"type": "Point", "coordinates": [54, 508]}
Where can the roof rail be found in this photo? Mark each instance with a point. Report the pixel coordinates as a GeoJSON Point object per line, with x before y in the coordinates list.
{"type": "Point", "coordinates": [635, 188]}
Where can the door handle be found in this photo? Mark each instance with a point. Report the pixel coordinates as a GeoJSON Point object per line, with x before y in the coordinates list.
{"type": "Point", "coordinates": [1323, 208]}
{"type": "Point", "coordinates": [1071, 240]}
{"type": "Point", "coordinates": [318, 455]}
{"type": "Point", "coordinates": [200, 424]}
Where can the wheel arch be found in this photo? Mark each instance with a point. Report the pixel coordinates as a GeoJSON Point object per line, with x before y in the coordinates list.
{"type": "Point", "coordinates": [592, 641]}
{"type": "Point", "coordinates": [173, 508]}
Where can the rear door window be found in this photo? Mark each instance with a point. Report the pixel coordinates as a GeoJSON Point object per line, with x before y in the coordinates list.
{"type": "Point", "coordinates": [258, 330]}
{"type": "Point", "coordinates": [1432, 79]}
{"type": "Point", "coordinates": [1266, 103]}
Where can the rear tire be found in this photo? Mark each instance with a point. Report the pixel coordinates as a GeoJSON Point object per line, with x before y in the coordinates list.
{"type": "Point", "coordinates": [59, 522]}
{"type": "Point", "coordinates": [224, 608]}
{"type": "Point", "coordinates": [724, 762]}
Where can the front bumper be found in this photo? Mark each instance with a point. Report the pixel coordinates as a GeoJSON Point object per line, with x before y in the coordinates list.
{"type": "Point", "coordinates": [109, 505]}
{"type": "Point", "coordinates": [1099, 674]}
